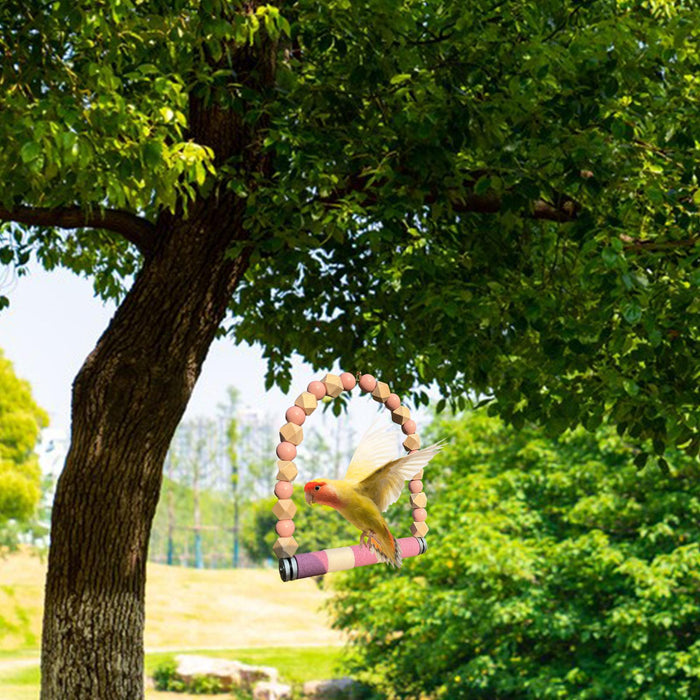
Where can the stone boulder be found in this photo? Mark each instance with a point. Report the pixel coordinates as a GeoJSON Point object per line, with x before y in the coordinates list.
{"type": "Point", "coordinates": [250, 675]}
{"type": "Point", "coordinates": [332, 689]}
{"type": "Point", "coordinates": [230, 674]}
{"type": "Point", "coordinates": [268, 690]}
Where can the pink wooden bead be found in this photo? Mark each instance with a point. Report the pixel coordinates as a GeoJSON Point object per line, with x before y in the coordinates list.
{"type": "Point", "coordinates": [283, 489]}
{"type": "Point", "coordinates": [286, 451]}
{"type": "Point", "coordinates": [420, 514]}
{"type": "Point", "coordinates": [317, 389]}
{"type": "Point", "coordinates": [367, 382]}
{"type": "Point", "coordinates": [295, 415]}
{"type": "Point", "coordinates": [348, 381]}
{"type": "Point", "coordinates": [409, 427]}
{"type": "Point", "coordinates": [414, 486]}
{"type": "Point", "coordinates": [392, 402]}
{"type": "Point", "coordinates": [285, 528]}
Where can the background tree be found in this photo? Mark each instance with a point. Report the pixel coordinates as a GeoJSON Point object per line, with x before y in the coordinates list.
{"type": "Point", "coordinates": [193, 522]}
{"type": "Point", "coordinates": [20, 477]}
{"type": "Point", "coordinates": [556, 569]}
{"type": "Point", "coordinates": [499, 198]}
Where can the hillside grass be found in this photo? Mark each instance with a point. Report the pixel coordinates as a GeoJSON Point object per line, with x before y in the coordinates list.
{"type": "Point", "coordinates": [245, 614]}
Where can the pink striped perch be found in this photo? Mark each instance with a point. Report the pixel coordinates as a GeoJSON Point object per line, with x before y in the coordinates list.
{"type": "Point", "coordinates": [341, 559]}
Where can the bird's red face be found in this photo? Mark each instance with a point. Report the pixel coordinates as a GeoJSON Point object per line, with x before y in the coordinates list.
{"type": "Point", "coordinates": [313, 491]}
{"type": "Point", "coordinates": [320, 492]}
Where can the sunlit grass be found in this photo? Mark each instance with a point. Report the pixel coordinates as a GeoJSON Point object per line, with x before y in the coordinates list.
{"type": "Point", "coordinates": [212, 611]}
{"type": "Point", "coordinates": [295, 664]}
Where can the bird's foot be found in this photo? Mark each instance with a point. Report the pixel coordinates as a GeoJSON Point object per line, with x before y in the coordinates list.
{"type": "Point", "coordinates": [365, 538]}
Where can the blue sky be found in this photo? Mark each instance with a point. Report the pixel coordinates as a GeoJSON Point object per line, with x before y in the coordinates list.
{"type": "Point", "coordinates": [54, 321]}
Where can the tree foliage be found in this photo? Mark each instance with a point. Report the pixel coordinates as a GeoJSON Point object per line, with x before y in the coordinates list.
{"type": "Point", "coordinates": [555, 569]}
{"type": "Point", "coordinates": [500, 199]}
{"type": "Point", "coordinates": [497, 198]}
{"type": "Point", "coordinates": [20, 477]}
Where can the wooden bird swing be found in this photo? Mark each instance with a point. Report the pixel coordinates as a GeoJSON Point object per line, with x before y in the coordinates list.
{"type": "Point", "coordinates": [294, 566]}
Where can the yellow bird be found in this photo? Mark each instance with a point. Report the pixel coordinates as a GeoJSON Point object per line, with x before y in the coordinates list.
{"type": "Point", "coordinates": [374, 480]}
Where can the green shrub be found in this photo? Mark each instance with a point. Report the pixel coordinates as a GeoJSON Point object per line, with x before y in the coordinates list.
{"type": "Point", "coordinates": [165, 677]}
{"type": "Point", "coordinates": [204, 685]}
{"type": "Point", "coordinates": [555, 569]}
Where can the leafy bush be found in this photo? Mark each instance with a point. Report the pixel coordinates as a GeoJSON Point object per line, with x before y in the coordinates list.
{"type": "Point", "coordinates": [317, 528]}
{"type": "Point", "coordinates": [204, 685]}
{"type": "Point", "coordinates": [556, 569]}
{"type": "Point", "coordinates": [165, 677]}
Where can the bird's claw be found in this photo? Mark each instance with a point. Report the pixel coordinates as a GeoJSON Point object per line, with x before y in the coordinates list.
{"type": "Point", "coordinates": [365, 538]}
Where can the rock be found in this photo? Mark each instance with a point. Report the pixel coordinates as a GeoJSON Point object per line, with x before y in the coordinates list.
{"type": "Point", "coordinates": [250, 675]}
{"type": "Point", "coordinates": [271, 690]}
{"type": "Point", "coordinates": [230, 674]}
{"type": "Point", "coordinates": [332, 689]}
{"type": "Point", "coordinates": [226, 672]}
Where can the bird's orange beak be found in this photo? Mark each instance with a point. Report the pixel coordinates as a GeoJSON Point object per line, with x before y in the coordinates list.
{"type": "Point", "coordinates": [309, 496]}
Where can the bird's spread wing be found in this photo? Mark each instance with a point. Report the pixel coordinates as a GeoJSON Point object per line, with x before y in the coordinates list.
{"type": "Point", "coordinates": [377, 447]}
{"type": "Point", "coordinates": [384, 485]}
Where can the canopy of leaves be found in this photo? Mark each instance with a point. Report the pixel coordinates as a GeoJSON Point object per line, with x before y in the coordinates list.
{"type": "Point", "coordinates": [420, 151]}
{"type": "Point", "coordinates": [20, 422]}
{"type": "Point", "coordinates": [555, 569]}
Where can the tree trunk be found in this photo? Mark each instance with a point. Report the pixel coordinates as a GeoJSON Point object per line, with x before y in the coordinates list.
{"type": "Point", "coordinates": [129, 397]}
{"type": "Point", "coordinates": [127, 401]}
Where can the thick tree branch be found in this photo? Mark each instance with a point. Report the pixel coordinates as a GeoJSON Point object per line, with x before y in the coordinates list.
{"type": "Point", "coordinates": [133, 228]}
{"type": "Point", "coordinates": [562, 211]}
{"type": "Point", "coordinates": [637, 245]}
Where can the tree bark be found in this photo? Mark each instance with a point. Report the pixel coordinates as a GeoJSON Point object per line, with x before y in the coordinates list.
{"type": "Point", "coordinates": [129, 397]}
{"type": "Point", "coordinates": [127, 401]}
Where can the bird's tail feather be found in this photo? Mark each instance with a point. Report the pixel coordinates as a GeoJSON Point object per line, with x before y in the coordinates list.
{"type": "Point", "coordinates": [388, 552]}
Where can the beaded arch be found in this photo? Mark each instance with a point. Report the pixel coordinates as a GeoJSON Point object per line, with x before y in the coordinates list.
{"type": "Point", "coordinates": [294, 566]}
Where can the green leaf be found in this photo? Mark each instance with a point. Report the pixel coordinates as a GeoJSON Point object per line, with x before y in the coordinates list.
{"type": "Point", "coordinates": [632, 313]}
{"type": "Point", "coordinates": [153, 154]}
{"type": "Point", "coordinates": [30, 151]}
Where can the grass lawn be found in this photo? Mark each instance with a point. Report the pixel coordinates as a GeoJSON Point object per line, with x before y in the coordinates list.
{"type": "Point", "coordinates": [246, 614]}
{"type": "Point", "coordinates": [295, 664]}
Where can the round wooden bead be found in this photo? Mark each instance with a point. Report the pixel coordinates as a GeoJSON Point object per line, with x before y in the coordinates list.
{"type": "Point", "coordinates": [367, 382]}
{"type": "Point", "coordinates": [296, 415]}
{"type": "Point", "coordinates": [284, 489]}
{"type": "Point", "coordinates": [285, 528]}
{"type": "Point", "coordinates": [392, 402]}
{"type": "Point", "coordinates": [409, 427]}
{"type": "Point", "coordinates": [415, 486]}
{"type": "Point", "coordinates": [348, 381]}
{"type": "Point", "coordinates": [286, 451]}
{"type": "Point", "coordinates": [420, 514]}
{"type": "Point", "coordinates": [317, 389]}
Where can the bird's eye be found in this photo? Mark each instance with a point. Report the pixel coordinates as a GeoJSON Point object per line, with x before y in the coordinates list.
{"type": "Point", "coordinates": [317, 488]}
